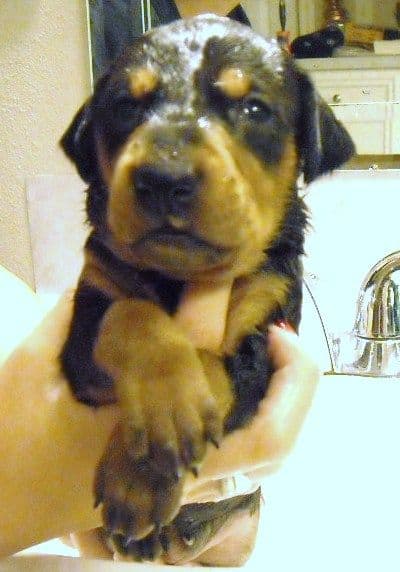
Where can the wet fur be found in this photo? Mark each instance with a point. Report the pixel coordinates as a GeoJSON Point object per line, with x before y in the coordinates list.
{"type": "Point", "coordinates": [246, 222]}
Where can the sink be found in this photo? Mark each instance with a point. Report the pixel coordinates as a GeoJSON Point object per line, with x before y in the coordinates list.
{"type": "Point", "coordinates": [335, 503]}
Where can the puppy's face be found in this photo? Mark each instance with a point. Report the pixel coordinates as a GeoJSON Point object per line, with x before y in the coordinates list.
{"type": "Point", "coordinates": [195, 134]}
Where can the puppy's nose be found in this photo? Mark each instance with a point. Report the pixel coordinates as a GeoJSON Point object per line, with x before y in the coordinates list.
{"type": "Point", "coordinates": [161, 191]}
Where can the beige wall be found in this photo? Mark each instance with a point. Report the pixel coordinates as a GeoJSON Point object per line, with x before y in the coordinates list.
{"type": "Point", "coordinates": [264, 16]}
{"type": "Point", "coordinates": [372, 12]}
{"type": "Point", "coordinates": [44, 69]}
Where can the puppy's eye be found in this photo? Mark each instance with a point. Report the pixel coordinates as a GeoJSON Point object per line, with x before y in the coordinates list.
{"type": "Point", "coordinates": [256, 110]}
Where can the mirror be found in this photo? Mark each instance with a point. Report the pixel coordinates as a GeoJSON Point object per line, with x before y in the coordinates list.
{"type": "Point", "coordinates": [361, 86]}
{"type": "Point", "coordinates": [361, 81]}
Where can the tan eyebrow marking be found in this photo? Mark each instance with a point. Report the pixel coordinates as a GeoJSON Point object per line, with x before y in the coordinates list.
{"type": "Point", "coordinates": [143, 82]}
{"type": "Point", "coordinates": [233, 82]}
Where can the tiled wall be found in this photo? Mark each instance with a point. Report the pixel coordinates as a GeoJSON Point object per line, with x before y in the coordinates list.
{"type": "Point", "coordinates": [57, 229]}
{"type": "Point", "coordinates": [355, 223]}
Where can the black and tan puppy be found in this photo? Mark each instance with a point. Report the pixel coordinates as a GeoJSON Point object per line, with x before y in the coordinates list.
{"type": "Point", "coordinates": [191, 145]}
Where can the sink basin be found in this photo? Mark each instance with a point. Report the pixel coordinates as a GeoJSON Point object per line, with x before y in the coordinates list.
{"type": "Point", "coordinates": [335, 504]}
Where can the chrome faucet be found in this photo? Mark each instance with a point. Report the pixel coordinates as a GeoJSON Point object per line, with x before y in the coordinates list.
{"type": "Point", "coordinates": [373, 346]}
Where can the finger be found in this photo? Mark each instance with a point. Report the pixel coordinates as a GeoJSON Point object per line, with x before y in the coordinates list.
{"type": "Point", "coordinates": [296, 374]}
{"type": "Point", "coordinates": [290, 392]}
{"type": "Point", "coordinates": [285, 347]}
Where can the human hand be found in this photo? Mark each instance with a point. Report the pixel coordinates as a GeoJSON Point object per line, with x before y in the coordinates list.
{"type": "Point", "coordinates": [51, 444]}
{"type": "Point", "coordinates": [261, 446]}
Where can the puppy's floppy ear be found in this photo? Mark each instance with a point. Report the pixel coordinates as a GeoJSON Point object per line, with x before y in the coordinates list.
{"type": "Point", "coordinates": [323, 142]}
{"type": "Point", "coordinates": [79, 145]}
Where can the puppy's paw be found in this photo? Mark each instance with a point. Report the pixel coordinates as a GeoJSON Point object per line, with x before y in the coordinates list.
{"type": "Point", "coordinates": [148, 549]}
{"type": "Point", "coordinates": [95, 394]}
{"type": "Point", "coordinates": [135, 499]}
{"type": "Point", "coordinates": [169, 421]}
{"type": "Point", "coordinates": [89, 384]}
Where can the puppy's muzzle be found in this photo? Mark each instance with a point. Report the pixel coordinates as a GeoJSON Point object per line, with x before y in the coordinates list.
{"type": "Point", "coordinates": [164, 190]}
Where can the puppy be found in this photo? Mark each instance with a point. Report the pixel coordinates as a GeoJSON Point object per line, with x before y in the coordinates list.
{"type": "Point", "coordinates": [191, 146]}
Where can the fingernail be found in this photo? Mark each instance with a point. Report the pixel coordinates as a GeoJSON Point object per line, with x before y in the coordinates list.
{"type": "Point", "coordinates": [188, 540]}
{"type": "Point", "coordinates": [284, 325]}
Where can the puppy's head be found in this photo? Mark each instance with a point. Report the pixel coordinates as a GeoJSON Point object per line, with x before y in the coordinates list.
{"type": "Point", "coordinates": [192, 144]}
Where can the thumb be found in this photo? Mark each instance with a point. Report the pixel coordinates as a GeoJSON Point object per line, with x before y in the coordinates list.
{"type": "Point", "coordinates": [284, 346]}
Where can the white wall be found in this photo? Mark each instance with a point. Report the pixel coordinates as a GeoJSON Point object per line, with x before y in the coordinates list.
{"type": "Point", "coordinates": [44, 78]}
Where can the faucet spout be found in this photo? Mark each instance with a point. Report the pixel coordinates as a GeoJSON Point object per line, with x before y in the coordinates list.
{"type": "Point", "coordinates": [373, 346]}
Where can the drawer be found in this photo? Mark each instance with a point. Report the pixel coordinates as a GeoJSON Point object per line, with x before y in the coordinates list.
{"type": "Point", "coordinates": [367, 102]}
{"type": "Point", "coordinates": [370, 126]}
{"type": "Point", "coordinates": [342, 94]}
{"type": "Point", "coordinates": [355, 87]}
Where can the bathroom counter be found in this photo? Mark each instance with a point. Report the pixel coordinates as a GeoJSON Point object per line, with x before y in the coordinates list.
{"type": "Point", "coordinates": [369, 61]}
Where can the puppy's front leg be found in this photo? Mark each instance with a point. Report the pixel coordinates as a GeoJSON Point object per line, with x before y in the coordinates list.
{"type": "Point", "coordinates": [169, 414]}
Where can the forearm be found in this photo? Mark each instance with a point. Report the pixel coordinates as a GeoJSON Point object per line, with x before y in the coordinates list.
{"type": "Point", "coordinates": [49, 446]}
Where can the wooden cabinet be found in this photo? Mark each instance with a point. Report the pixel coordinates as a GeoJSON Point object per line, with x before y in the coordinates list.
{"type": "Point", "coordinates": [367, 101]}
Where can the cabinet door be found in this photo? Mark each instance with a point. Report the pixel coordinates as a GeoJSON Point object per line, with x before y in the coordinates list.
{"type": "Point", "coordinates": [367, 102]}
{"type": "Point", "coordinates": [370, 126]}
{"type": "Point", "coordinates": [395, 128]}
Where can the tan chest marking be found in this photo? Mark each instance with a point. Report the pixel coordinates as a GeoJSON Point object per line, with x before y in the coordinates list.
{"type": "Point", "coordinates": [98, 275]}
